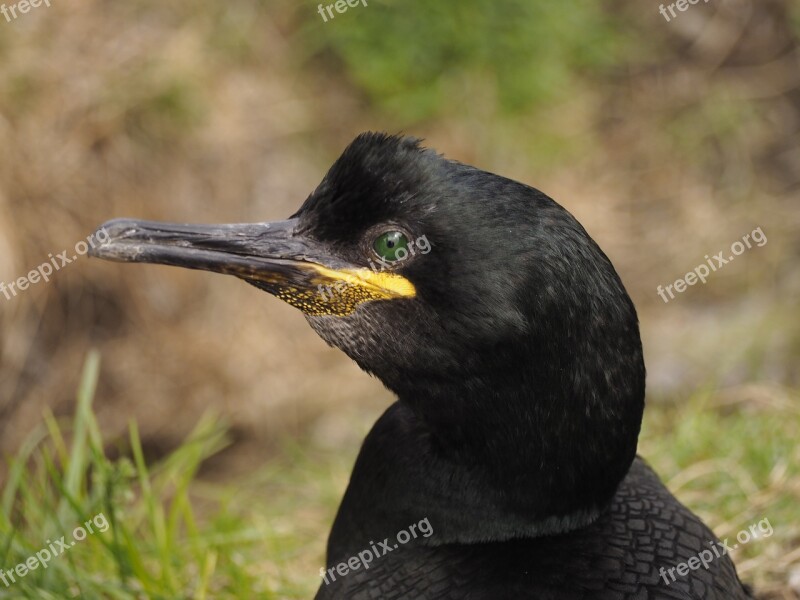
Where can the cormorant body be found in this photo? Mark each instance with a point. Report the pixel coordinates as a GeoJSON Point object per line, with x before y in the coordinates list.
{"type": "Point", "coordinates": [514, 352]}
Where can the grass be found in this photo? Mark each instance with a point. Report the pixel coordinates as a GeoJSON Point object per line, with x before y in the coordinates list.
{"type": "Point", "coordinates": [172, 534]}
{"type": "Point", "coordinates": [732, 457]}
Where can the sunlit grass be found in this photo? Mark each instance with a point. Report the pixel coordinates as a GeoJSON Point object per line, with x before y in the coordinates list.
{"type": "Point", "coordinates": [170, 535]}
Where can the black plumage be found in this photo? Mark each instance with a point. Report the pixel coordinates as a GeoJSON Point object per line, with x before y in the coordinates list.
{"type": "Point", "coordinates": [515, 355]}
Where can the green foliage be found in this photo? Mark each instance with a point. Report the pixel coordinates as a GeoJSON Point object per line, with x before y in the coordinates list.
{"type": "Point", "coordinates": [169, 534]}
{"type": "Point", "coordinates": [152, 547]}
{"type": "Point", "coordinates": [412, 58]}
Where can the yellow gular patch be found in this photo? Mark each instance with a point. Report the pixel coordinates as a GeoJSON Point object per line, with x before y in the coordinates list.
{"type": "Point", "coordinates": [338, 293]}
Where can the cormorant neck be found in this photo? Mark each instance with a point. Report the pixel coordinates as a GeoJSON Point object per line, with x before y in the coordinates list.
{"type": "Point", "coordinates": [550, 428]}
{"type": "Point", "coordinates": [502, 451]}
{"type": "Point", "coordinates": [556, 452]}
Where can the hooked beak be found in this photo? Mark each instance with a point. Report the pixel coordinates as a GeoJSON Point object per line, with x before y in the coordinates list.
{"type": "Point", "coordinates": [272, 256]}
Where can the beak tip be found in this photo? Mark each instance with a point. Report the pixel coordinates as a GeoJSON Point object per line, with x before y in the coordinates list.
{"type": "Point", "coordinates": [116, 227]}
{"type": "Point", "coordinates": [107, 234]}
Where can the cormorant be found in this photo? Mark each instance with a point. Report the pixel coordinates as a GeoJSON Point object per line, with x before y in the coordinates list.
{"type": "Point", "coordinates": [514, 352]}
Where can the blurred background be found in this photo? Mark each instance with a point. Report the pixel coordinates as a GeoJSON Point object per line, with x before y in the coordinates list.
{"type": "Point", "coordinates": [669, 141]}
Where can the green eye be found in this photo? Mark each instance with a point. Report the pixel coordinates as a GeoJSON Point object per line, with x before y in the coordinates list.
{"type": "Point", "coordinates": [392, 245]}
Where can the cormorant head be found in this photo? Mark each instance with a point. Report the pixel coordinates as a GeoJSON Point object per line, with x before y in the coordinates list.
{"type": "Point", "coordinates": [480, 301]}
